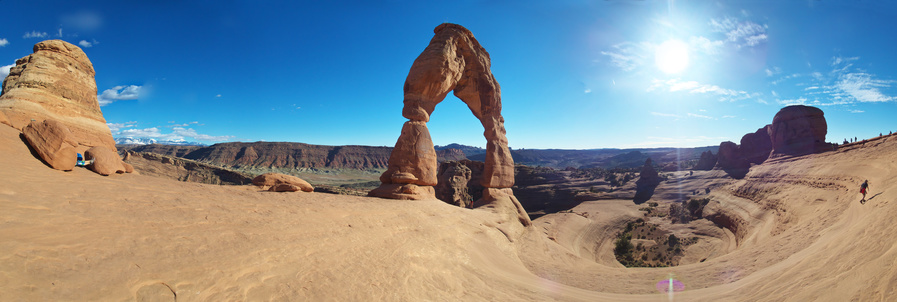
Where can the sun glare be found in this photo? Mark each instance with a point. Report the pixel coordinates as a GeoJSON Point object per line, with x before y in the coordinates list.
{"type": "Point", "coordinates": [671, 56]}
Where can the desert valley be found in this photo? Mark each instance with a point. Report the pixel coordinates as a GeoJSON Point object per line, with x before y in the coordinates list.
{"type": "Point", "coordinates": [776, 216]}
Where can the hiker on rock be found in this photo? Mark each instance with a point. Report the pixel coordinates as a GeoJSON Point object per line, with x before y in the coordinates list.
{"type": "Point", "coordinates": [863, 188]}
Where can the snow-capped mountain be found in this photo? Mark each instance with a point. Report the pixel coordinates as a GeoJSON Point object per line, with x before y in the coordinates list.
{"type": "Point", "coordinates": [149, 141]}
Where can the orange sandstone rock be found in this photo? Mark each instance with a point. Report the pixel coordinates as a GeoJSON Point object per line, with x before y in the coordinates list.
{"type": "Point", "coordinates": [272, 179]}
{"type": "Point", "coordinates": [105, 162]}
{"type": "Point", "coordinates": [56, 82]}
{"type": "Point", "coordinates": [454, 61]}
{"type": "Point", "coordinates": [53, 142]}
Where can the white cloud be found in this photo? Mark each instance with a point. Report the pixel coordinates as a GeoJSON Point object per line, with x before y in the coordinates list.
{"type": "Point", "coordinates": [84, 43]}
{"type": "Point", "coordinates": [728, 116]}
{"type": "Point", "coordinates": [862, 87]}
{"type": "Point", "coordinates": [674, 85]}
{"type": "Point", "coordinates": [3, 42]}
{"type": "Point", "coordinates": [627, 55]}
{"type": "Point", "coordinates": [700, 116]}
{"type": "Point", "coordinates": [35, 34]}
{"type": "Point", "coordinates": [798, 101]}
{"type": "Point", "coordinates": [740, 33]}
{"type": "Point", "coordinates": [177, 133]}
{"type": "Point", "coordinates": [218, 96]}
{"type": "Point", "coordinates": [706, 45]}
{"type": "Point", "coordinates": [856, 111]}
{"type": "Point", "coordinates": [116, 127]}
{"type": "Point", "coordinates": [4, 71]}
{"type": "Point", "coordinates": [587, 91]}
{"type": "Point", "coordinates": [117, 93]}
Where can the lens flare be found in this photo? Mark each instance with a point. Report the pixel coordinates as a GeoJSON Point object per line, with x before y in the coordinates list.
{"type": "Point", "coordinates": [671, 56]}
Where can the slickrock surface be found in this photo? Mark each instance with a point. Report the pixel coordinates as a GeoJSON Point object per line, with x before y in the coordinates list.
{"type": "Point", "coordinates": [793, 230]}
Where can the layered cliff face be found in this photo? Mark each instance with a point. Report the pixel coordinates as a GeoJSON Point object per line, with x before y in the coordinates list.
{"type": "Point", "coordinates": [56, 82]}
{"type": "Point", "coordinates": [288, 155]}
{"type": "Point", "coordinates": [184, 170]}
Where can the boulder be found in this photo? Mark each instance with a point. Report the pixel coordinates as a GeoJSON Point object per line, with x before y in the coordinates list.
{"type": "Point", "coordinates": [798, 130]}
{"type": "Point", "coordinates": [268, 180]}
{"type": "Point", "coordinates": [284, 187]}
{"type": "Point", "coordinates": [455, 62]}
{"type": "Point", "coordinates": [56, 82]}
{"type": "Point", "coordinates": [105, 162]}
{"type": "Point", "coordinates": [53, 142]}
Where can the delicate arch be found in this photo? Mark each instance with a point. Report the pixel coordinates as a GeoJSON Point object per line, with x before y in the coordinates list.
{"type": "Point", "coordinates": [454, 61]}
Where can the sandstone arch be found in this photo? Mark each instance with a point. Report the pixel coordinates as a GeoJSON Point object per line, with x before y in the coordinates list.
{"type": "Point", "coordinates": [454, 61]}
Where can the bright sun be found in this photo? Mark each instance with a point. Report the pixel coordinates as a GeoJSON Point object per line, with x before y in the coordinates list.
{"type": "Point", "coordinates": [671, 56]}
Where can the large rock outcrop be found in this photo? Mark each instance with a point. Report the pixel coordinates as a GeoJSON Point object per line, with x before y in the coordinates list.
{"type": "Point", "coordinates": [798, 130]}
{"type": "Point", "coordinates": [455, 62]}
{"type": "Point", "coordinates": [755, 147]}
{"type": "Point", "coordinates": [737, 159]}
{"type": "Point", "coordinates": [707, 161]}
{"type": "Point", "coordinates": [647, 182]}
{"type": "Point", "coordinates": [56, 82]}
{"type": "Point", "coordinates": [729, 156]}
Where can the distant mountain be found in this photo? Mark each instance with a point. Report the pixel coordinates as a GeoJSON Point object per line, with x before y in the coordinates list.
{"type": "Point", "coordinates": [272, 155]}
{"type": "Point", "coordinates": [468, 150]}
{"type": "Point", "coordinates": [150, 141]}
{"type": "Point", "coordinates": [601, 158]}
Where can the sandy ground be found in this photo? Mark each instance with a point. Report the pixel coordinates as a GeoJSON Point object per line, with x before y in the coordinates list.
{"type": "Point", "coordinates": [796, 232]}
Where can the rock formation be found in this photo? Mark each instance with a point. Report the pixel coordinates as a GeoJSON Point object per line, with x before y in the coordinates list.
{"type": "Point", "coordinates": [285, 187]}
{"type": "Point", "coordinates": [180, 169]}
{"type": "Point", "coordinates": [737, 159]}
{"type": "Point", "coordinates": [269, 180]}
{"type": "Point", "coordinates": [798, 130]}
{"type": "Point", "coordinates": [755, 147]}
{"type": "Point", "coordinates": [266, 155]}
{"type": "Point", "coordinates": [105, 162]}
{"type": "Point", "coordinates": [459, 182]}
{"type": "Point", "coordinates": [707, 161]}
{"type": "Point", "coordinates": [729, 156]}
{"type": "Point", "coordinates": [56, 82]}
{"type": "Point", "coordinates": [453, 61]}
{"type": "Point", "coordinates": [53, 142]}
{"type": "Point", "coordinates": [648, 180]}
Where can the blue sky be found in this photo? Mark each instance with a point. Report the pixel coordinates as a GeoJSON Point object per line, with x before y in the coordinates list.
{"type": "Point", "coordinates": [574, 74]}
